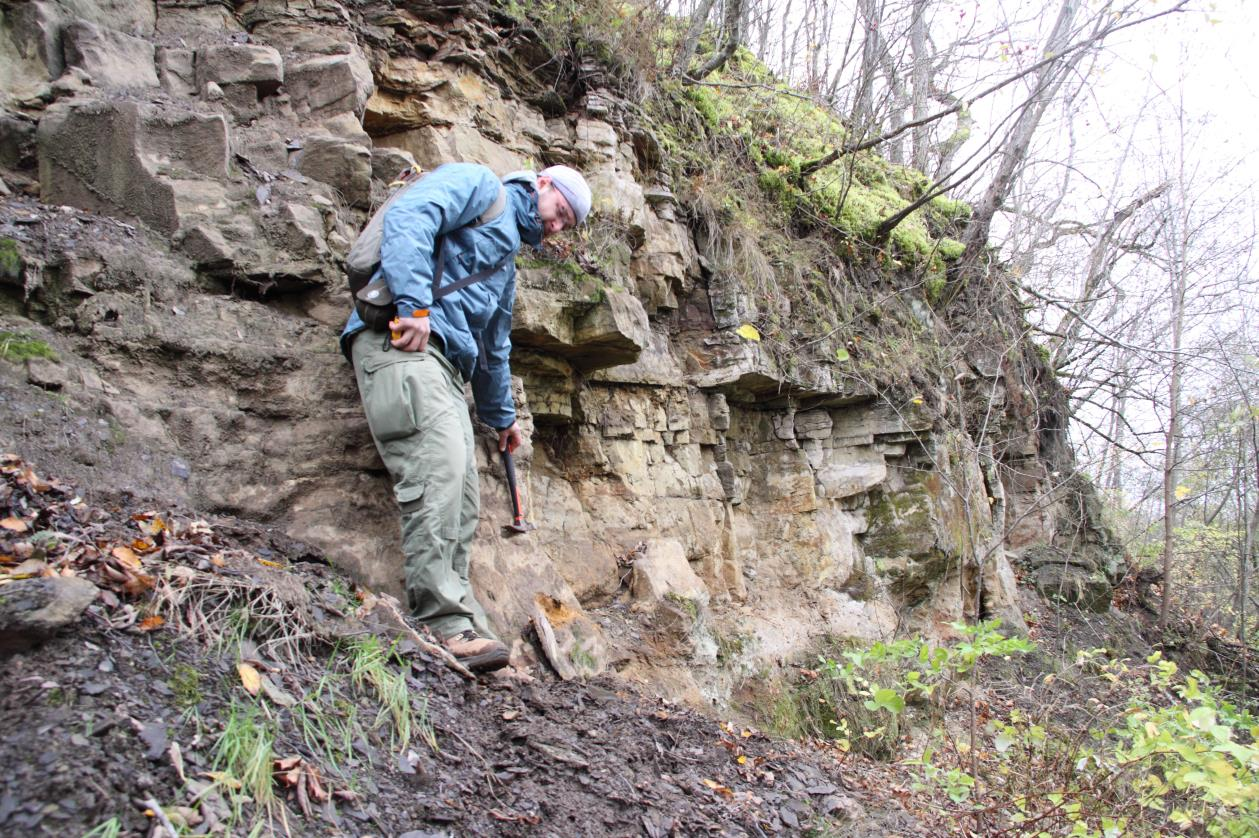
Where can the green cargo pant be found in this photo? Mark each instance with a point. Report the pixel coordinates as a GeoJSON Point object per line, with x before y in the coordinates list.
{"type": "Point", "coordinates": [418, 417]}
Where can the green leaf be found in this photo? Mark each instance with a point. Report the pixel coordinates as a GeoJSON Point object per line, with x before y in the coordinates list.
{"type": "Point", "coordinates": [841, 354]}
{"type": "Point", "coordinates": [889, 700]}
{"type": "Point", "coordinates": [748, 331]}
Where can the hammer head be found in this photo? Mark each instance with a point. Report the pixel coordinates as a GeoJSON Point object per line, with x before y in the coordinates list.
{"type": "Point", "coordinates": [518, 526]}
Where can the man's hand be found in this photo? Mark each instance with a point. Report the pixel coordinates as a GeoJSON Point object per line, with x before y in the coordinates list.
{"type": "Point", "coordinates": [510, 438]}
{"type": "Point", "coordinates": [410, 334]}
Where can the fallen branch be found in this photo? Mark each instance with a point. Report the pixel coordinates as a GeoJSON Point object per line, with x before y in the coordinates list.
{"type": "Point", "coordinates": [400, 623]}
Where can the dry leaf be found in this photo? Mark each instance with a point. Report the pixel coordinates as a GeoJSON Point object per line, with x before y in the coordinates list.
{"type": "Point", "coordinates": [127, 556]}
{"type": "Point", "coordinates": [14, 524]}
{"type": "Point", "coordinates": [250, 678]}
{"type": "Point", "coordinates": [142, 545]}
{"type": "Point", "coordinates": [748, 331]}
{"type": "Point", "coordinates": [152, 623]}
{"type": "Point", "coordinates": [137, 584]}
{"type": "Point", "coordinates": [718, 787]}
{"type": "Point", "coordinates": [151, 526]}
{"type": "Point", "coordinates": [32, 480]}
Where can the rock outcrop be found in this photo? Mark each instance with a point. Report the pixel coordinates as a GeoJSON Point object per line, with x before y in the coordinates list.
{"type": "Point", "coordinates": [705, 505]}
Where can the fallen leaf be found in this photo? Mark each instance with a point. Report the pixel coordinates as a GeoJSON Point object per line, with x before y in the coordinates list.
{"type": "Point", "coordinates": [748, 331]}
{"type": "Point", "coordinates": [269, 563]}
{"type": "Point", "coordinates": [152, 623]}
{"type": "Point", "coordinates": [151, 527]}
{"type": "Point", "coordinates": [137, 584]}
{"type": "Point", "coordinates": [14, 524]}
{"type": "Point", "coordinates": [127, 556]}
{"type": "Point", "coordinates": [250, 678]}
{"type": "Point", "coordinates": [28, 568]}
{"type": "Point", "coordinates": [32, 480]}
{"type": "Point", "coordinates": [718, 787]}
{"type": "Point", "coordinates": [142, 545]}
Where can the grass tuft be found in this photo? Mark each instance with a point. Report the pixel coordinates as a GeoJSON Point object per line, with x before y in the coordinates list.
{"type": "Point", "coordinates": [16, 346]}
{"type": "Point", "coordinates": [245, 750]}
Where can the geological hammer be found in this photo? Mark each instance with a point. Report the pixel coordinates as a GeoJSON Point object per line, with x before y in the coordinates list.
{"type": "Point", "coordinates": [518, 523]}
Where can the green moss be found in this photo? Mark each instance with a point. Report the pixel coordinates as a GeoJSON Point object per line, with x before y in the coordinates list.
{"type": "Point", "coordinates": [950, 249]}
{"type": "Point", "coordinates": [185, 684]}
{"type": "Point", "coordinates": [10, 259]}
{"type": "Point", "coordinates": [690, 606]}
{"type": "Point", "coordinates": [935, 285]}
{"type": "Point", "coordinates": [15, 346]}
{"type": "Point", "coordinates": [950, 210]}
{"type": "Point", "coordinates": [731, 646]}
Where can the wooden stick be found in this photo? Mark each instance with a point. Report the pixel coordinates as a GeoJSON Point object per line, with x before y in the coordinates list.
{"type": "Point", "coordinates": [433, 649]}
{"type": "Point", "coordinates": [546, 635]}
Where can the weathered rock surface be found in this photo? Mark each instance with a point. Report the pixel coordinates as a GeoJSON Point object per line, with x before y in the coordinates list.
{"type": "Point", "coordinates": [32, 610]}
{"type": "Point", "coordinates": [191, 289]}
{"type": "Point", "coordinates": [111, 58]}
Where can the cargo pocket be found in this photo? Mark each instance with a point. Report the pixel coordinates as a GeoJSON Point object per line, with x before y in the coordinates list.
{"type": "Point", "coordinates": [403, 393]}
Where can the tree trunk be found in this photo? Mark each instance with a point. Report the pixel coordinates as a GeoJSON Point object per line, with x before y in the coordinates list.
{"type": "Point", "coordinates": [683, 62]}
{"type": "Point", "coordinates": [920, 82]}
{"type": "Point", "coordinates": [731, 27]}
{"type": "Point", "coordinates": [1014, 151]}
{"type": "Point", "coordinates": [868, 13]}
{"type": "Point", "coordinates": [1171, 443]}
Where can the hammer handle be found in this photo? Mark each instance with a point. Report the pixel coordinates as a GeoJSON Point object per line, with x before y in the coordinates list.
{"type": "Point", "coordinates": [510, 465]}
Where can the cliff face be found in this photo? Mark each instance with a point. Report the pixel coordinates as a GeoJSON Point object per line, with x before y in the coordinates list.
{"type": "Point", "coordinates": [184, 178]}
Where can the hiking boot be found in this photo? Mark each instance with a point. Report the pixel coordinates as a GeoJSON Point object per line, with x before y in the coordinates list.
{"type": "Point", "coordinates": [480, 654]}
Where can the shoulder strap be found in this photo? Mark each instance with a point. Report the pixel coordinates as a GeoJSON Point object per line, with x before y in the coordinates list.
{"type": "Point", "coordinates": [495, 209]}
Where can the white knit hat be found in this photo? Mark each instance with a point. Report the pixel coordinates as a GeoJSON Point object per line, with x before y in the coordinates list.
{"type": "Point", "coordinates": [572, 186]}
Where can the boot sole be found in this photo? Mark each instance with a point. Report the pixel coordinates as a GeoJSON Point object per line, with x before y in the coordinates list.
{"type": "Point", "coordinates": [487, 662]}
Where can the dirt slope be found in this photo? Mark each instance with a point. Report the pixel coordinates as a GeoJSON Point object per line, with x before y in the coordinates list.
{"type": "Point", "coordinates": [144, 701]}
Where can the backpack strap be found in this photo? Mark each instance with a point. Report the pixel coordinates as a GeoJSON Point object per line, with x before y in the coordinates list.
{"type": "Point", "coordinates": [495, 209]}
{"type": "Point", "coordinates": [440, 291]}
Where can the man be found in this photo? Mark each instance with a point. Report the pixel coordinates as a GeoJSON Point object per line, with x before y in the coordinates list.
{"type": "Point", "coordinates": [411, 379]}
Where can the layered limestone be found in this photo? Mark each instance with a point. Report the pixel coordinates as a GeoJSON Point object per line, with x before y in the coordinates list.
{"type": "Point", "coordinates": [704, 507]}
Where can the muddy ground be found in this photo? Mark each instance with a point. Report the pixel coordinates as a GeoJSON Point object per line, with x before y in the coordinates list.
{"type": "Point", "coordinates": [221, 665]}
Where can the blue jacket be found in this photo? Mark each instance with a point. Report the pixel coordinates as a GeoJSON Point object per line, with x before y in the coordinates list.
{"type": "Point", "coordinates": [474, 322]}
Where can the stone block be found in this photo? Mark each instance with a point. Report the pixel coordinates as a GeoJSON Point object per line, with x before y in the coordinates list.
{"type": "Point", "coordinates": [303, 231]}
{"type": "Point", "coordinates": [656, 365]}
{"type": "Point", "coordinates": [347, 127]}
{"type": "Point", "coordinates": [614, 332]}
{"type": "Point", "coordinates": [1001, 594]}
{"type": "Point", "coordinates": [341, 164]}
{"type": "Point", "coordinates": [251, 64]}
{"type": "Point", "coordinates": [329, 84]}
{"type": "Point", "coordinates": [46, 373]}
{"type": "Point", "coordinates": [662, 572]}
{"type": "Point", "coordinates": [116, 158]}
{"type": "Point", "coordinates": [33, 609]}
{"type": "Point", "coordinates": [36, 29]}
{"type": "Point", "coordinates": [596, 139]}
{"type": "Point", "coordinates": [388, 163]}
{"type": "Point", "coordinates": [433, 145]}
{"type": "Point", "coordinates": [177, 70]}
{"type": "Point", "coordinates": [813, 424]}
{"type": "Point", "coordinates": [111, 58]}
{"type": "Point", "coordinates": [845, 472]}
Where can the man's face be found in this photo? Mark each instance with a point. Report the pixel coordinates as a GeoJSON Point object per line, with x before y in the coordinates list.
{"type": "Point", "coordinates": [554, 210]}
